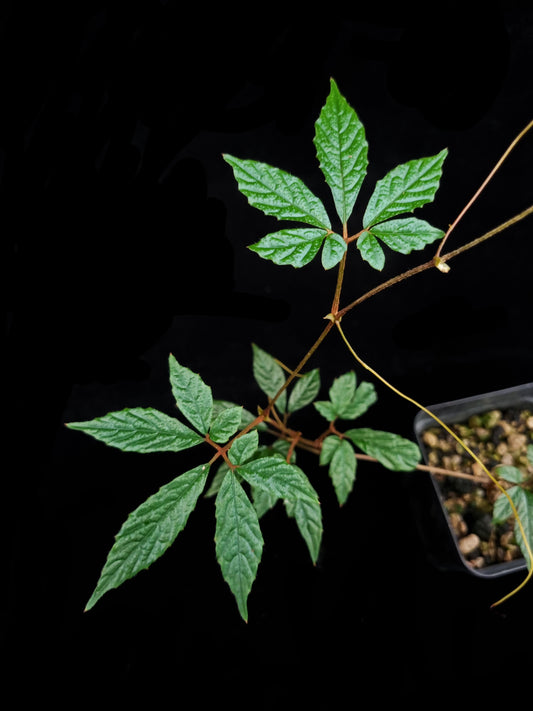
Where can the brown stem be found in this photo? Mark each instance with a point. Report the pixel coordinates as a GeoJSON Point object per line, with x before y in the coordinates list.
{"type": "Point", "coordinates": [482, 187]}
{"type": "Point", "coordinates": [431, 264]}
{"type": "Point", "coordinates": [294, 373]}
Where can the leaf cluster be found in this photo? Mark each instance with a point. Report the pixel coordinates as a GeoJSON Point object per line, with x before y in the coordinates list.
{"type": "Point", "coordinates": [342, 151]}
{"type": "Point", "coordinates": [250, 479]}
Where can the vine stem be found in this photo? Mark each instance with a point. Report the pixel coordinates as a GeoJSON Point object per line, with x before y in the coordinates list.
{"type": "Point", "coordinates": [465, 447]}
{"type": "Point", "coordinates": [314, 447]}
{"type": "Point", "coordinates": [481, 188]}
{"type": "Point", "coordinates": [431, 263]}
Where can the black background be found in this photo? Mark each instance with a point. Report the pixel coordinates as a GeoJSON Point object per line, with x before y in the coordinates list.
{"type": "Point", "coordinates": [125, 239]}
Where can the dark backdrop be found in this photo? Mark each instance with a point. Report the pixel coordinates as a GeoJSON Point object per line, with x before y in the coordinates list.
{"type": "Point", "coordinates": [125, 239]}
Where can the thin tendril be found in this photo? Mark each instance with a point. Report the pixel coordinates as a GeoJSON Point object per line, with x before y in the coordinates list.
{"type": "Point", "coordinates": [465, 447]}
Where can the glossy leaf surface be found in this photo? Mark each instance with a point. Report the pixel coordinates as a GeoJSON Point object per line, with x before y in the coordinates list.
{"type": "Point", "coordinates": [342, 470]}
{"type": "Point", "coordinates": [193, 397]}
{"type": "Point", "coordinates": [226, 424]}
{"type": "Point", "coordinates": [342, 151]}
{"type": "Point", "coordinates": [278, 193]}
{"type": "Point", "coordinates": [269, 375]}
{"type": "Point", "coordinates": [140, 429]}
{"type": "Point", "coordinates": [150, 530]}
{"type": "Point", "coordinates": [523, 501]}
{"type": "Point", "coordinates": [308, 517]}
{"type": "Point", "coordinates": [239, 542]}
{"type": "Point", "coordinates": [333, 250]}
{"type": "Point", "coordinates": [404, 188]}
{"type": "Point", "coordinates": [293, 247]}
{"type": "Point", "coordinates": [304, 391]}
{"type": "Point", "coordinates": [277, 477]}
{"type": "Point", "coordinates": [391, 450]}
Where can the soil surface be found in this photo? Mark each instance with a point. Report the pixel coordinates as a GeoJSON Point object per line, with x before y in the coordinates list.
{"type": "Point", "coordinates": [497, 437]}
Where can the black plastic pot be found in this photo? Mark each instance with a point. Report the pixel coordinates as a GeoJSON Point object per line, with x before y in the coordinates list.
{"type": "Point", "coordinates": [435, 528]}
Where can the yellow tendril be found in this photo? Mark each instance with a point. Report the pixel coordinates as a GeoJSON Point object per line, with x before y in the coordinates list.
{"type": "Point", "coordinates": [465, 447]}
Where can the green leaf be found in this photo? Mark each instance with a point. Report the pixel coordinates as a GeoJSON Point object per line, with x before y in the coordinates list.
{"type": "Point", "coordinates": [511, 474]}
{"type": "Point", "coordinates": [216, 482]}
{"type": "Point", "coordinates": [294, 247]}
{"type": "Point", "coordinates": [329, 447]}
{"type": "Point", "coordinates": [502, 508]}
{"type": "Point", "coordinates": [523, 501]}
{"type": "Point", "coordinates": [404, 188]}
{"type": "Point", "coordinates": [225, 424]}
{"type": "Point", "coordinates": [150, 530]}
{"type": "Point", "coordinates": [346, 401]}
{"type": "Point", "coordinates": [342, 151]}
{"type": "Point", "coordinates": [371, 250]}
{"type": "Point", "coordinates": [304, 391]}
{"type": "Point", "coordinates": [263, 501]}
{"type": "Point", "coordinates": [530, 453]}
{"type": "Point", "coordinates": [333, 251]}
{"type": "Point", "coordinates": [243, 448]}
{"type": "Point", "coordinates": [239, 543]}
{"type": "Point", "coordinates": [326, 409]}
{"type": "Point", "coordinates": [308, 516]}
{"type": "Point", "coordinates": [278, 193]}
{"type": "Point", "coordinates": [406, 234]}
{"type": "Point", "coordinates": [269, 375]}
{"type": "Point", "coordinates": [391, 450]}
{"type": "Point", "coordinates": [342, 391]}
{"type": "Point", "coordinates": [140, 429]}
{"type": "Point", "coordinates": [342, 470]}
{"type": "Point", "coordinates": [246, 416]}
{"type": "Point", "coordinates": [274, 475]}
{"type": "Point", "coordinates": [364, 397]}
{"type": "Point", "coordinates": [193, 397]}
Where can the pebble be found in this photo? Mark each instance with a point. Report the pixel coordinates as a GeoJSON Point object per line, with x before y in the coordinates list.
{"type": "Point", "coordinates": [469, 544]}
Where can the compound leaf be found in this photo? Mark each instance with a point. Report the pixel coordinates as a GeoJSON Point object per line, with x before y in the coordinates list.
{"type": "Point", "coordinates": [278, 193]}
{"type": "Point", "coordinates": [304, 391]}
{"type": "Point", "coordinates": [342, 151]}
{"type": "Point", "coordinates": [391, 450]}
{"type": "Point", "coordinates": [140, 429]}
{"type": "Point", "coordinates": [274, 475]}
{"type": "Point", "coordinates": [364, 397]}
{"type": "Point", "coordinates": [404, 188]}
{"type": "Point", "coordinates": [269, 375]}
{"type": "Point", "coordinates": [239, 542]}
{"type": "Point", "coordinates": [294, 247]}
{"type": "Point", "coordinates": [150, 530]}
{"type": "Point", "coordinates": [333, 250]}
{"type": "Point", "coordinates": [193, 397]}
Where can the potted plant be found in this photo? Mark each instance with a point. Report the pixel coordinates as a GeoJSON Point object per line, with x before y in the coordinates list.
{"type": "Point", "coordinates": [248, 460]}
{"type": "Point", "coordinates": [486, 537]}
